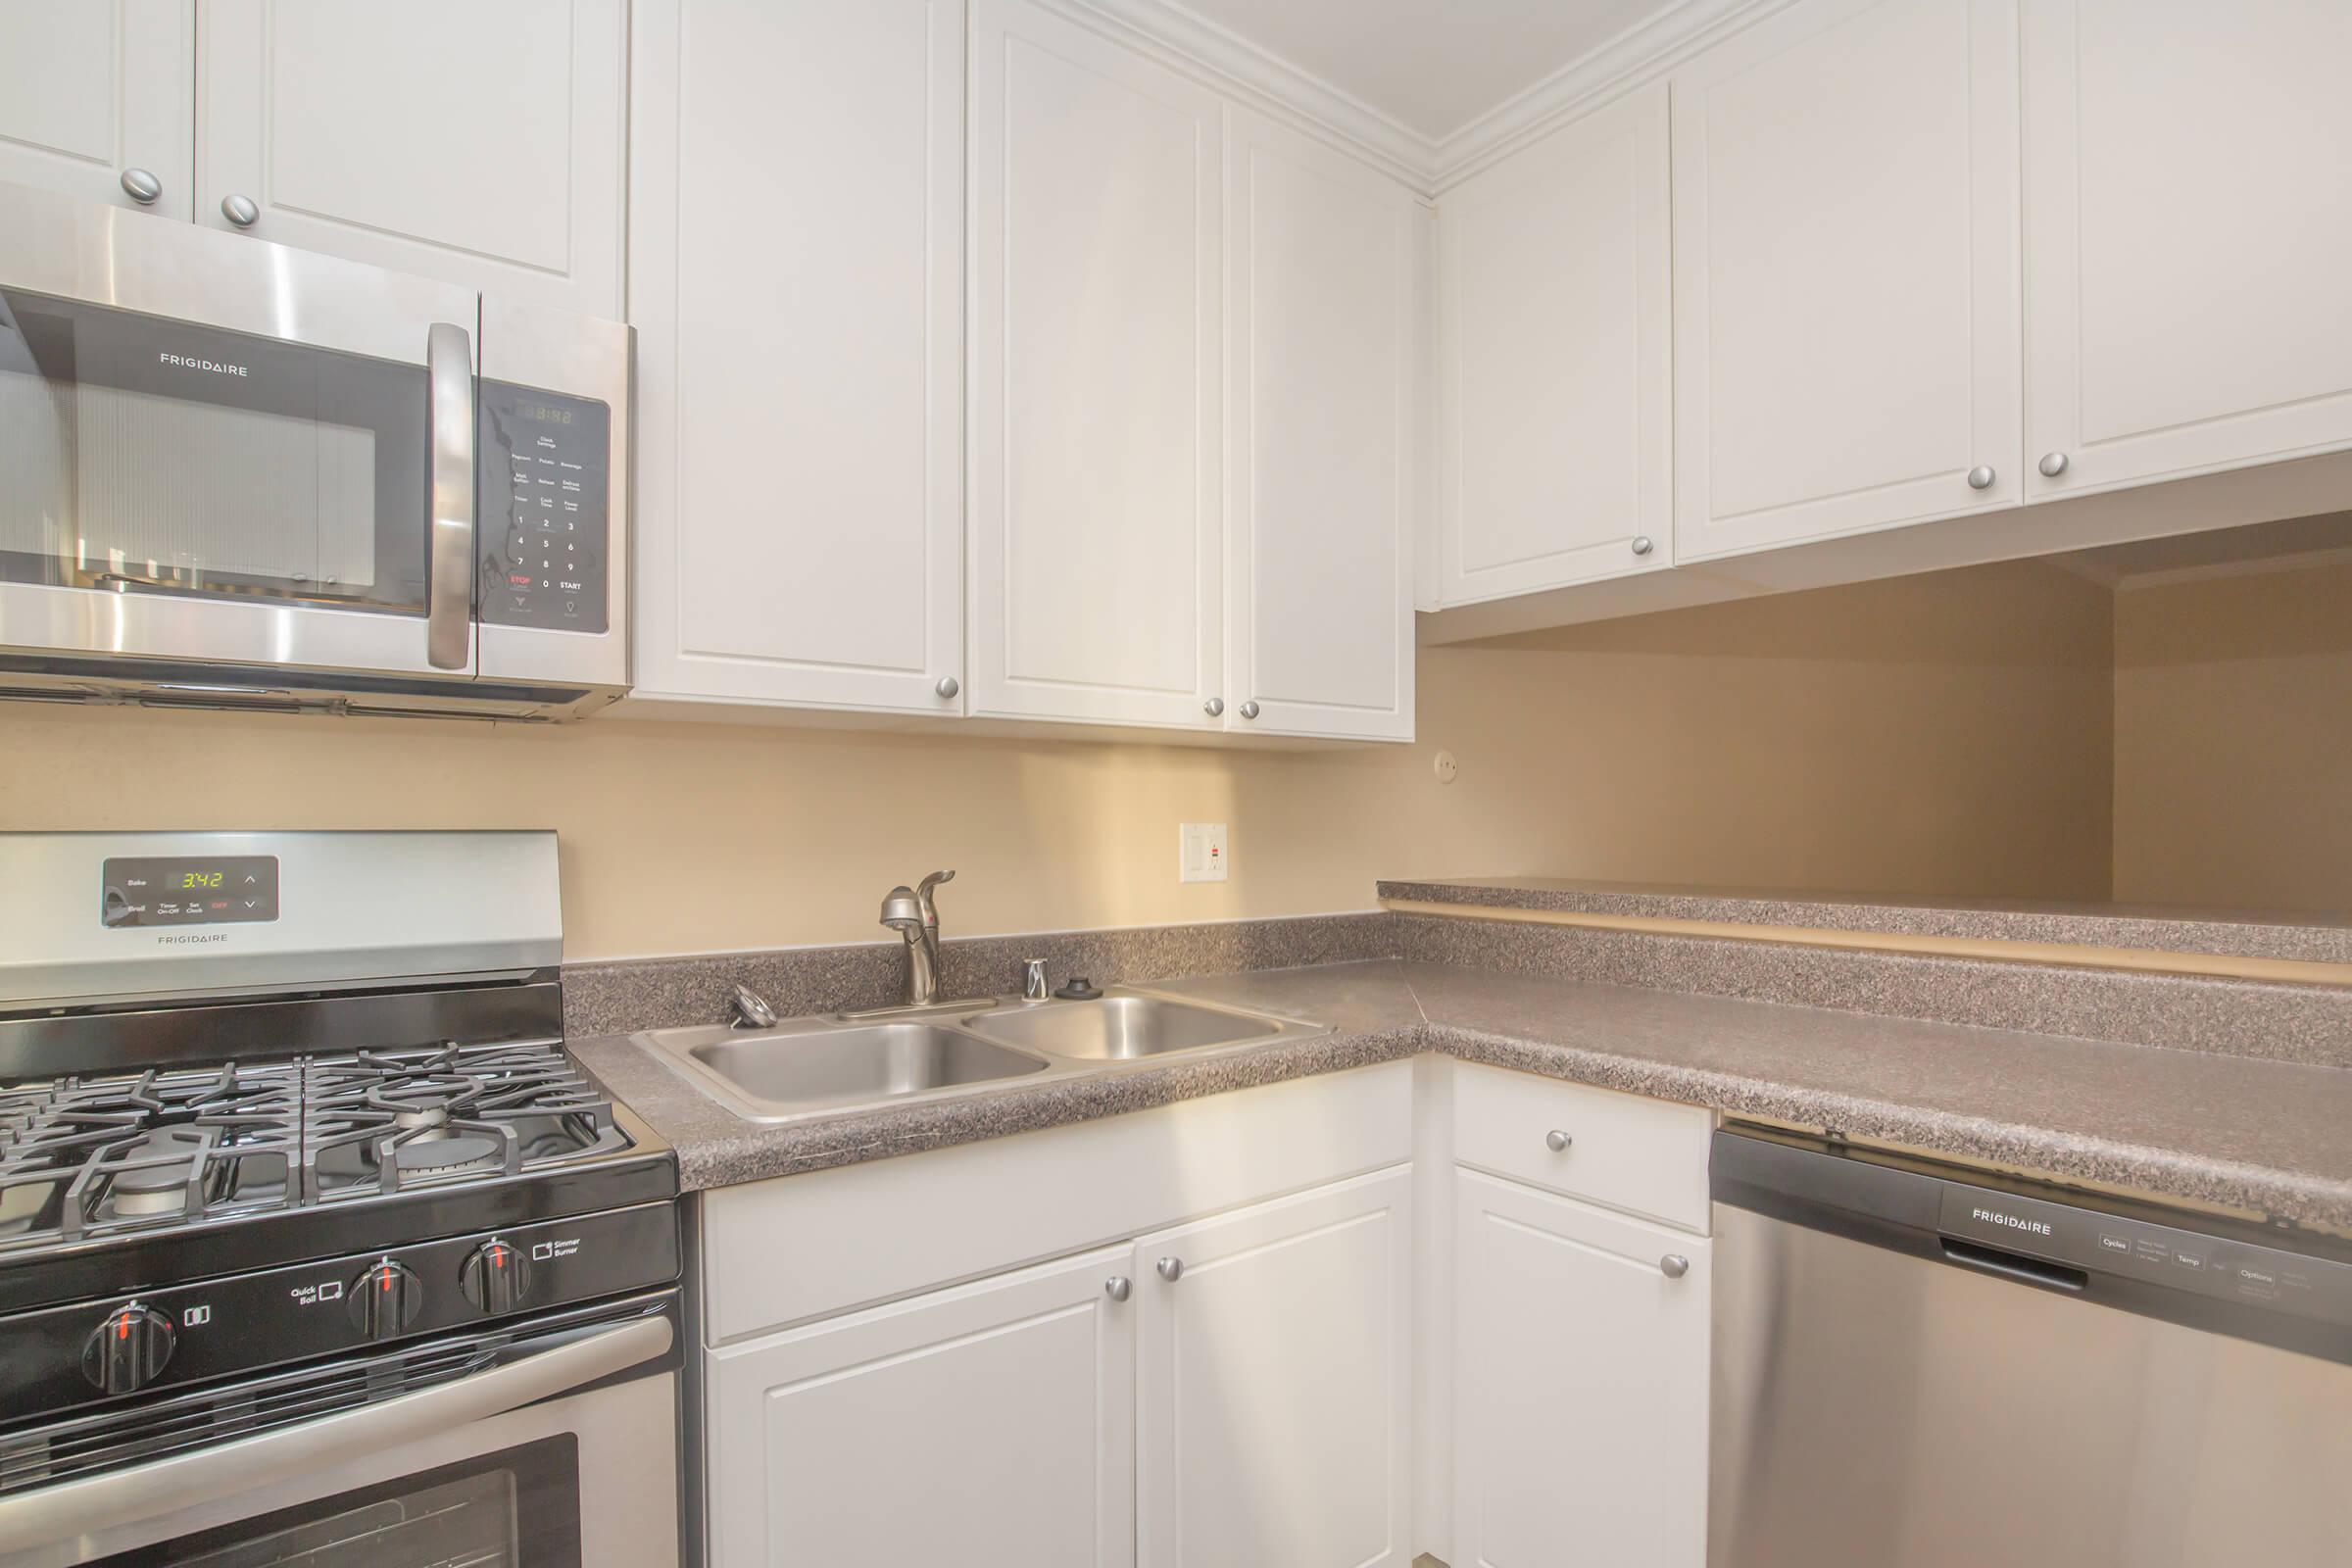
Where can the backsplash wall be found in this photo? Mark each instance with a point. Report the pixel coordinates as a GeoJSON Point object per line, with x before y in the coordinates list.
{"type": "Point", "coordinates": [1862, 737]}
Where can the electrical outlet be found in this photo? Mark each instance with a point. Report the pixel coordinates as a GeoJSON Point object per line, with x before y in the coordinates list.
{"type": "Point", "coordinates": [1202, 854]}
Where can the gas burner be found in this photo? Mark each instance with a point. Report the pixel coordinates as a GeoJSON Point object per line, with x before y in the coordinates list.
{"type": "Point", "coordinates": [83, 1157]}
{"type": "Point", "coordinates": [384, 1120]}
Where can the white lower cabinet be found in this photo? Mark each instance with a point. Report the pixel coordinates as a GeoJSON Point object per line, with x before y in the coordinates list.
{"type": "Point", "coordinates": [991, 1425]}
{"type": "Point", "coordinates": [1580, 1384]}
{"type": "Point", "coordinates": [1274, 1383]}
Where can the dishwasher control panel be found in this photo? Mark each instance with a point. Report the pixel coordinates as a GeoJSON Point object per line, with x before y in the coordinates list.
{"type": "Point", "coordinates": [2186, 1260]}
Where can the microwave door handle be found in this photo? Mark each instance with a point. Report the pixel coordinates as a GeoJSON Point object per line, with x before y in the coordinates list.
{"type": "Point", "coordinates": [449, 433]}
{"type": "Point", "coordinates": [76, 1508]}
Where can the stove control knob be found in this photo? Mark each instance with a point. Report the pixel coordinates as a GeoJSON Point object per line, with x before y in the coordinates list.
{"type": "Point", "coordinates": [498, 1276]}
{"type": "Point", "coordinates": [128, 1349]}
{"type": "Point", "coordinates": [385, 1300]}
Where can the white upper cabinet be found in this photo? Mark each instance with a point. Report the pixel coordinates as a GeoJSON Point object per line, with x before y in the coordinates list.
{"type": "Point", "coordinates": [1846, 321]}
{"type": "Point", "coordinates": [1274, 1383]}
{"type": "Point", "coordinates": [1095, 572]}
{"type": "Point", "coordinates": [797, 286]}
{"type": "Point", "coordinates": [1554, 361]}
{"type": "Point", "coordinates": [92, 90]}
{"type": "Point", "coordinates": [479, 143]}
{"type": "Point", "coordinates": [1323, 311]}
{"type": "Point", "coordinates": [2188, 236]}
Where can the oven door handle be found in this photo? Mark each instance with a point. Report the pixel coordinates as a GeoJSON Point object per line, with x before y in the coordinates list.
{"type": "Point", "coordinates": [449, 548]}
{"type": "Point", "coordinates": [79, 1508]}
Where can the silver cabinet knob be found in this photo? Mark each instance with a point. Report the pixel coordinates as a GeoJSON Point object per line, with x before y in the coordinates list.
{"type": "Point", "coordinates": [1644, 544]}
{"type": "Point", "coordinates": [2052, 463]}
{"type": "Point", "coordinates": [1557, 1141]}
{"type": "Point", "coordinates": [241, 210]}
{"type": "Point", "coordinates": [1980, 477]}
{"type": "Point", "coordinates": [1116, 1287]}
{"type": "Point", "coordinates": [1214, 706]}
{"type": "Point", "coordinates": [141, 187]}
{"type": "Point", "coordinates": [1170, 1269]}
{"type": "Point", "coordinates": [948, 686]}
{"type": "Point", "coordinates": [1674, 1265]}
{"type": "Point", "coordinates": [1249, 710]}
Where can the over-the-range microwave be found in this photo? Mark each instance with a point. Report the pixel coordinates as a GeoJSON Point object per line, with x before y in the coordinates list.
{"type": "Point", "coordinates": [234, 474]}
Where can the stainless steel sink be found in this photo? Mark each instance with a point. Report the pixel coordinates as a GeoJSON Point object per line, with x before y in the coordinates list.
{"type": "Point", "coordinates": [1120, 1027]}
{"type": "Point", "coordinates": [812, 1066]}
{"type": "Point", "coordinates": [805, 1066]}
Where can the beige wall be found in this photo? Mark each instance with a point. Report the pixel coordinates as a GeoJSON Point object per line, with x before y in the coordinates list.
{"type": "Point", "coordinates": [1943, 734]}
{"type": "Point", "coordinates": [2233, 740]}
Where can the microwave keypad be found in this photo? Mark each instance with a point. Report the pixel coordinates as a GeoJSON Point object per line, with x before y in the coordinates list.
{"type": "Point", "coordinates": [543, 480]}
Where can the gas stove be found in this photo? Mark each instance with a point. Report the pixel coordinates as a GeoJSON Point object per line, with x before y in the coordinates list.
{"type": "Point", "coordinates": [332, 1144]}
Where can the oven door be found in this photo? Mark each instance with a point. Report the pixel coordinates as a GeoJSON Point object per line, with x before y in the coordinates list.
{"type": "Point", "coordinates": [218, 449]}
{"type": "Point", "coordinates": [560, 1453]}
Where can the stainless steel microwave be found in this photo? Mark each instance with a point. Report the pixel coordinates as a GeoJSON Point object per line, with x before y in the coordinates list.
{"type": "Point", "coordinates": [233, 473]}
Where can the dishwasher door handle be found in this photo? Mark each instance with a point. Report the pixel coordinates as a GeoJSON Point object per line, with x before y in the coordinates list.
{"type": "Point", "coordinates": [2012, 1266]}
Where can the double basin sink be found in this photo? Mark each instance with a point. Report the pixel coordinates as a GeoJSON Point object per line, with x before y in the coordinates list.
{"type": "Point", "coordinates": [812, 1066]}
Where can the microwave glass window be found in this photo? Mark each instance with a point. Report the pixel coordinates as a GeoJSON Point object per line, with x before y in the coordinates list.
{"type": "Point", "coordinates": [152, 456]}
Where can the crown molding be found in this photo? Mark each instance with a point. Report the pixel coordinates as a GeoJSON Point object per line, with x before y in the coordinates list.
{"type": "Point", "coordinates": [1178, 37]}
{"type": "Point", "coordinates": [1247, 74]}
{"type": "Point", "coordinates": [1641, 54]}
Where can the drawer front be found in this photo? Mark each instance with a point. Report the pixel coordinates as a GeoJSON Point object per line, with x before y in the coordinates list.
{"type": "Point", "coordinates": [1624, 1151]}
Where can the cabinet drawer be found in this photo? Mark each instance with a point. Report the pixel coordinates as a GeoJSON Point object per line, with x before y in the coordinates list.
{"type": "Point", "coordinates": [1645, 1157]}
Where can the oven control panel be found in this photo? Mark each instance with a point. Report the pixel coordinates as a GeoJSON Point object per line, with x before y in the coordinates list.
{"type": "Point", "coordinates": [143, 889]}
{"type": "Point", "coordinates": [181, 1333]}
{"type": "Point", "coordinates": [542, 512]}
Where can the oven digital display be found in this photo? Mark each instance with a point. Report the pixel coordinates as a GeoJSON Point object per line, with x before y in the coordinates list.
{"type": "Point", "coordinates": [145, 889]}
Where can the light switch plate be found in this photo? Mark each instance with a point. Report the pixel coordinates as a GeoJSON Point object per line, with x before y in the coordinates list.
{"type": "Point", "coordinates": [1201, 852]}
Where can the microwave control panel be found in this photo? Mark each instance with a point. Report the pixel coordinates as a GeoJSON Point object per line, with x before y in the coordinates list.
{"type": "Point", "coordinates": [544, 479]}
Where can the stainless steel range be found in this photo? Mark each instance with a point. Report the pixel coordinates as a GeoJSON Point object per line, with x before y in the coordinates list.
{"type": "Point", "coordinates": [315, 1245]}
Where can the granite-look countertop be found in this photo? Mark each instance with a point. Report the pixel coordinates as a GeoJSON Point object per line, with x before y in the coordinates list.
{"type": "Point", "coordinates": [2153, 927]}
{"type": "Point", "coordinates": [2265, 1136]}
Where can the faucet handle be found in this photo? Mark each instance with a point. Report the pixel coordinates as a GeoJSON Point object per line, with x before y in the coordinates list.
{"type": "Point", "coordinates": [923, 895]}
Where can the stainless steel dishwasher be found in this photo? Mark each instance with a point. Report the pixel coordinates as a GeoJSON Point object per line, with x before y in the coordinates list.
{"type": "Point", "coordinates": [1920, 1365]}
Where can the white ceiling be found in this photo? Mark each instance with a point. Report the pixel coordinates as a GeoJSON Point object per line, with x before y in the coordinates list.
{"type": "Point", "coordinates": [1432, 65]}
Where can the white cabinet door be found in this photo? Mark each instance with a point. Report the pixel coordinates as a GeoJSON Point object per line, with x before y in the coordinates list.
{"type": "Point", "coordinates": [1554, 361]}
{"type": "Point", "coordinates": [797, 286]}
{"type": "Point", "coordinates": [1273, 1394]}
{"type": "Point", "coordinates": [1323, 308]}
{"type": "Point", "coordinates": [90, 89]}
{"type": "Point", "coordinates": [1579, 1384]}
{"type": "Point", "coordinates": [480, 143]}
{"type": "Point", "coordinates": [1845, 273]}
{"type": "Point", "coordinates": [1096, 583]}
{"type": "Point", "coordinates": [2188, 236]}
{"type": "Point", "coordinates": [988, 1425]}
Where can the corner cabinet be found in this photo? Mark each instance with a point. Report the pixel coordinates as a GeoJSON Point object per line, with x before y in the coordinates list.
{"type": "Point", "coordinates": [797, 265]}
{"type": "Point", "coordinates": [1580, 1383]}
{"type": "Point", "coordinates": [1846, 315]}
{"type": "Point", "coordinates": [2188, 237]}
{"type": "Point", "coordinates": [1326, 279]}
{"type": "Point", "coordinates": [1554, 362]}
{"type": "Point", "coordinates": [1097, 590]}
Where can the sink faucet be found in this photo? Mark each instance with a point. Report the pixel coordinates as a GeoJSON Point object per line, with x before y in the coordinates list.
{"type": "Point", "coordinates": [911, 913]}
